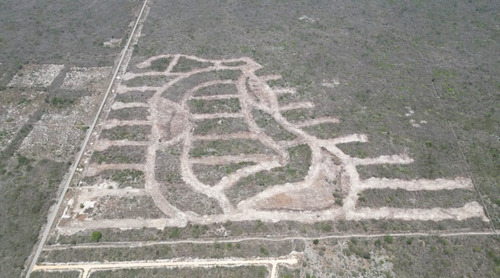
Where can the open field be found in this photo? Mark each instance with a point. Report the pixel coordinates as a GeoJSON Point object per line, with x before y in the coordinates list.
{"type": "Point", "coordinates": [269, 139]}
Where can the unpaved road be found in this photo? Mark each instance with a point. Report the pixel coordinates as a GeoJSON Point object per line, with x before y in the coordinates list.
{"type": "Point", "coordinates": [87, 268]}
{"type": "Point", "coordinates": [53, 213]}
{"type": "Point", "coordinates": [132, 244]}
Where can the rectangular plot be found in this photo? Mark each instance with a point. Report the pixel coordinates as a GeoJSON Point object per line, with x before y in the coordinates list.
{"type": "Point", "coordinates": [80, 77]}
{"type": "Point", "coordinates": [416, 199]}
{"type": "Point", "coordinates": [126, 114]}
{"type": "Point", "coordinates": [125, 207]}
{"type": "Point", "coordinates": [219, 89]}
{"type": "Point", "coordinates": [134, 96]}
{"type": "Point", "coordinates": [228, 147]}
{"type": "Point", "coordinates": [124, 178]}
{"type": "Point", "coordinates": [36, 76]}
{"type": "Point", "coordinates": [147, 80]}
{"type": "Point", "coordinates": [128, 132]}
{"type": "Point", "coordinates": [220, 126]}
{"type": "Point", "coordinates": [202, 106]}
{"type": "Point", "coordinates": [120, 155]}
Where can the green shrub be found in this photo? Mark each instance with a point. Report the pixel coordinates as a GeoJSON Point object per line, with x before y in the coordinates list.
{"type": "Point", "coordinates": [96, 236]}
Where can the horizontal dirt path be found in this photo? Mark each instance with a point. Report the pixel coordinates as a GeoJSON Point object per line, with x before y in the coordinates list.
{"type": "Point", "coordinates": [87, 268]}
{"type": "Point", "coordinates": [133, 244]}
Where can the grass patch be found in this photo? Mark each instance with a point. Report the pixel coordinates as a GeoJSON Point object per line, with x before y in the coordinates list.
{"type": "Point", "coordinates": [175, 190]}
{"type": "Point", "coordinates": [200, 106]}
{"type": "Point", "coordinates": [416, 199]}
{"type": "Point", "coordinates": [160, 64]}
{"type": "Point", "coordinates": [124, 178]}
{"type": "Point", "coordinates": [134, 96]}
{"type": "Point", "coordinates": [127, 132]}
{"type": "Point", "coordinates": [271, 127]}
{"type": "Point", "coordinates": [220, 126]}
{"type": "Point", "coordinates": [228, 147]}
{"type": "Point", "coordinates": [185, 65]}
{"type": "Point", "coordinates": [147, 80]}
{"type": "Point", "coordinates": [127, 114]}
{"type": "Point", "coordinates": [120, 155]}
{"type": "Point", "coordinates": [218, 89]}
{"type": "Point", "coordinates": [212, 174]}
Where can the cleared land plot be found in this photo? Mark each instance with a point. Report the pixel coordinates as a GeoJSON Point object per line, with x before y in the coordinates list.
{"type": "Point", "coordinates": [110, 207]}
{"type": "Point", "coordinates": [153, 81]}
{"type": "Point", "coordinates": [120, 155]}
{"type": "Point", "coordinates": [199, 106]}
{"type": "Point", "coordinates": [219, 89]}
{"type": "Point", "coordinates": [126, 114]}
{"type": "Point", "coordinates": [36, 76]}
{"type": "Point", "coordinates": [415, 199]}
{"type": "Point", "coordinates": [80, 77]}
{"type": "Point", "coordinates": [134, 96]}
{"type": "Point", "coordinates": [220, 126]}
{"type": "Point", "coordinates": [131, 133]}
{"type": "Point", "coordinates": [228, 147]}
{"type": "Point", "coordinates": [124, 178]}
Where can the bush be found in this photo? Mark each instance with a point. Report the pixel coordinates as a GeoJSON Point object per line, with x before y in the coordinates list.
{"type": "Point", "coordinates": [96, 236]}
{"type": "Point", "coordinates": [315, 242]}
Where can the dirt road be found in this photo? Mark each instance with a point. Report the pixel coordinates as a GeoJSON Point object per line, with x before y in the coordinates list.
{"type": "Point", "coordinates": [87, 268]}
{"type": "Point", "coordinates": [53, 213]}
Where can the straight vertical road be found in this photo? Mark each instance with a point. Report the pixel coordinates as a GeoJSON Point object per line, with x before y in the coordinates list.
{"type": "Point", "coordinates": [52, 214]}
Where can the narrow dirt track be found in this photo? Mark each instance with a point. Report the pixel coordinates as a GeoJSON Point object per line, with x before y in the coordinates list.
{"type": "Point", "coordinates": [52, 214]}
{"type": "Point", "coordinates": [134, 244]}
{"type": "Point", "coordinates": [87, 268]}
